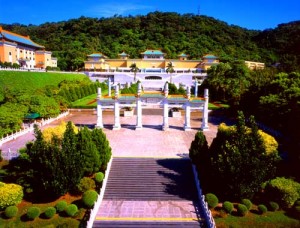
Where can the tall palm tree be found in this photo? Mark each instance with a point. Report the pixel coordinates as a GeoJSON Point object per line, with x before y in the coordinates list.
{"type": "Point", "coordinates": [170, 69]}
{"type": "Point", "coordinates": [134, 69]}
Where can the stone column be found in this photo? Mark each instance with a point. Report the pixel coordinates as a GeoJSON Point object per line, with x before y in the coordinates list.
{"type": "Point", "coordinates": [187, 124]}
{"type": "Point", "coordinates": [196, 88]}
{"type": "Point", "coordinates": [165, 125]}
{"type": "Point", "coordinates": [109, 86]}
{"type": "Point", "coordinates": [117, 125]}
{"type": "Point", "coordinates": [204, 125]}
{"type": "Point", "coordinates": [99, 110]}
{"type": "Point", "coordinates": [139, 108]}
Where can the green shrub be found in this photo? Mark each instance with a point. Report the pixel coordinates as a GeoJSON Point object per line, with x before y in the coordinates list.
{"type": "Point", "coordinates": [242, 209]}
{"type": "Point", "coordinates": [262, 208]}
{"type": "Point", "coordinates": [297, 211]}
{"type": "Point", "coordinates": [85, 184]}
{"type": "Point", "coordinates": [10, 194]}
{"type": "Point", "coordinates": [273, 206]}
{"type": "Point", "coordinates": [61, 205]}
{"type": "Point", "coordinates": [297, 203]}
{"type": "Point", "coordinates": [50, 212]}
{"type": "Point", "coordinates": [285, 191]}
{"type": "Point", "coordinates": [212, 200]}
{"type": "Point", "coordinates": [99, 177]}
{"type": "Point", "coordinates": [11, 211]}
{"type": "Point", "coordinates": [71, 210]}
{"type": "Point", "coordinates": [89, 198]}
{"type": "Point", "coordinates": [228, 207]}
{"type": "Point", "coordinates": [33, 212]}
{"type": "Point", "coordinates": [247, 203]}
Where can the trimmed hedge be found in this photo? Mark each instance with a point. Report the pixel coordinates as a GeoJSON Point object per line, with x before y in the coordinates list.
{"type": "Point", "coordinates": [33, 212]}
{"type": "Point", "coordinates": [11, 211]}
{"type": "Point", "coordinates": [273, 206]}
{"type": "Point", "coordinates": [212, 200]}
{"type": "Point", "coordinates": [242, 209]}
{"type": "Point", "coordinates": [228, 207]}
{"type": "Point", "coordinates": [262, 209]}
{"type": "Point", "coordinates": [85, 184]}
{"type": "Point", "coordinates": [50, 212]}
{"type": "Point", "coordinates": [247, 203]}
{"type": "Point", "coordinates": [89, 198]}
{"type": "Point", "coordinates": [99, 177]}
{"type": "Point", "coordinates": [61, 205]}
{"type": "Point", "coordinates": [71, 210]}
{"type": "Point", "coordinates": [10, 195]}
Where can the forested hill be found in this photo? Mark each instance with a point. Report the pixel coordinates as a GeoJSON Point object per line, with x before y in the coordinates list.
{"type": "Point", "coordinates": [72, 40]}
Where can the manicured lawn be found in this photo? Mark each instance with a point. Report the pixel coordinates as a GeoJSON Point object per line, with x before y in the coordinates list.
{"type": "Point", "coordinates": [31, 81]}
{"type": "Point", "coordinates": [87, 102]}
{"type": "Point", "coordinates": [270, 219]}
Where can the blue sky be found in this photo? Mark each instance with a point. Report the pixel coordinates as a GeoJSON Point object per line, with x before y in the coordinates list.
{"type": "Point", "coordinates": [254, 14]}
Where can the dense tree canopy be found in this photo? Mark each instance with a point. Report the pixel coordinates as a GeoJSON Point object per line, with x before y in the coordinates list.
{"type": "Point", "coordinates": [71, 41]}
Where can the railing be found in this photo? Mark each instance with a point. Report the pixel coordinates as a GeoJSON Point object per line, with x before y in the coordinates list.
{"type": "Point", "coordinates": [209, 220]}
{"type": "Point", "coordinates": [8, 155]}
{"type": "Point", "coordinates": [93, 212]}
{"type": "Point", "coordinates": [17, 134]}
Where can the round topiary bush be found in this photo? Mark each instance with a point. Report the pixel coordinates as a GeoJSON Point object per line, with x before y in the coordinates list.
{"type": "Point", "coordinates": [273, 206]}
{"type": "Point", "coordinates": [228, 207]}
{"type": "Point", "coordinates": [89, 198]}
{"type": "Point", "coordinates": [10, 195]}
{"type": "Point", "coordinates": [71, 210]}
{"type": "Point", "coordinates": [61, 205]}
{"type": "Point", "coordinates": [212, 200]}
{"type": "Point", "coordinates": [33, 212]}
{"type": "Point", "coordinates": [262, 209]}
{"type": "Point", "coordinates": [99, 177]}
{"type": "Point", "coordinates": [85, 184]}
{"type": "Point", "coordinates": [247, 203]}
{"type": "Point", "coordinates": [242, 209]}
{"type": "Point", "coordinates": [11, 211]}
{"type": "Point", "coordinates": [50, 212]}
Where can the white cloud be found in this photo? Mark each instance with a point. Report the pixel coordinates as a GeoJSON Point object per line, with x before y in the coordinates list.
{"type": "Point", "coordinates": [117, 8]}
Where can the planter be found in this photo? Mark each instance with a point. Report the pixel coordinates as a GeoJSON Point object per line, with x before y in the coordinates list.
{"type": "Point", "coordinates": [175, 114]}
{"type": "Point", "coordinates": [128, 113]}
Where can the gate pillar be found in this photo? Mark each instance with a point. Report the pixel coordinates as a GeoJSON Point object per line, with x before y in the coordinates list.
{"type": "Point", "coordinates": [165, 125]}
{"type": "Point", "coordinates": [139, 108]}
{"type": "Point", "coordinates": [187, 124]}
{"type": "Point", "coordinates": [204, 125]}
{"type": "Point", "coordinates": [99, 110]}
{"type": "Point", "coordinates": [117, 125]}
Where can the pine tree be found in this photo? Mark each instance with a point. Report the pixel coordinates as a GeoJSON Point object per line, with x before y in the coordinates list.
{"type": "Point", "coordinates": [88, 151]}
{"type": "Point", "coordinates": [103, 147]}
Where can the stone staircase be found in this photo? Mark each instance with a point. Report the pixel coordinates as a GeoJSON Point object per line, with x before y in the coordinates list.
{"type": "Point", "coordinates": [149, 181]}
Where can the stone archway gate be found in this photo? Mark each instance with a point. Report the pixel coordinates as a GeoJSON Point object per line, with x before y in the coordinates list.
{"type": "Point", "coordinates": [163, 99]}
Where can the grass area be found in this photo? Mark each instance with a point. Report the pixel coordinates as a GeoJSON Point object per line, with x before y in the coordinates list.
{"type": "Point", "coordinates": [88, 101]}
{"type": "Point", "coordinates": [270, 219]}
{"type": "Point", "coordinates": [31, 81]}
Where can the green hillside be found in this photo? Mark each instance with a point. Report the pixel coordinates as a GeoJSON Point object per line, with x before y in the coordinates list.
{"type": "Point", "coordinates": [15, 80]}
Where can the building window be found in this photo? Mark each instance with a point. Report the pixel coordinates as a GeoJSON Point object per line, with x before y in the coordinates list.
{"type": "Point", "coordinates": [9, 53]}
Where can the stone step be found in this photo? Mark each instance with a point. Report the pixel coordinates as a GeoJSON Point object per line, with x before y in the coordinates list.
{"type": "Point", "coordinates": [144, 224]}
{"type": "Point", "coordinates": [152, 179]}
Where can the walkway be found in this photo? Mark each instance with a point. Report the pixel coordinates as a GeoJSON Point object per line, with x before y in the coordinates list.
{"type": "Point", "coordinates": [148, 192]}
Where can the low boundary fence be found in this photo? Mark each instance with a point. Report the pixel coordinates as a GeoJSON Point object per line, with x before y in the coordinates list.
{"type": "Point", "coordinates": [17, 134]}
{"type": "Point", "coordinates": [209, 220]}
{"type": "Point", "coordinates": [93, 212]}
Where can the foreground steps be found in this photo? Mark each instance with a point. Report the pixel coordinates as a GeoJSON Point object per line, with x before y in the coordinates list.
{"type": "Point", "coordinates": [149, 192]}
